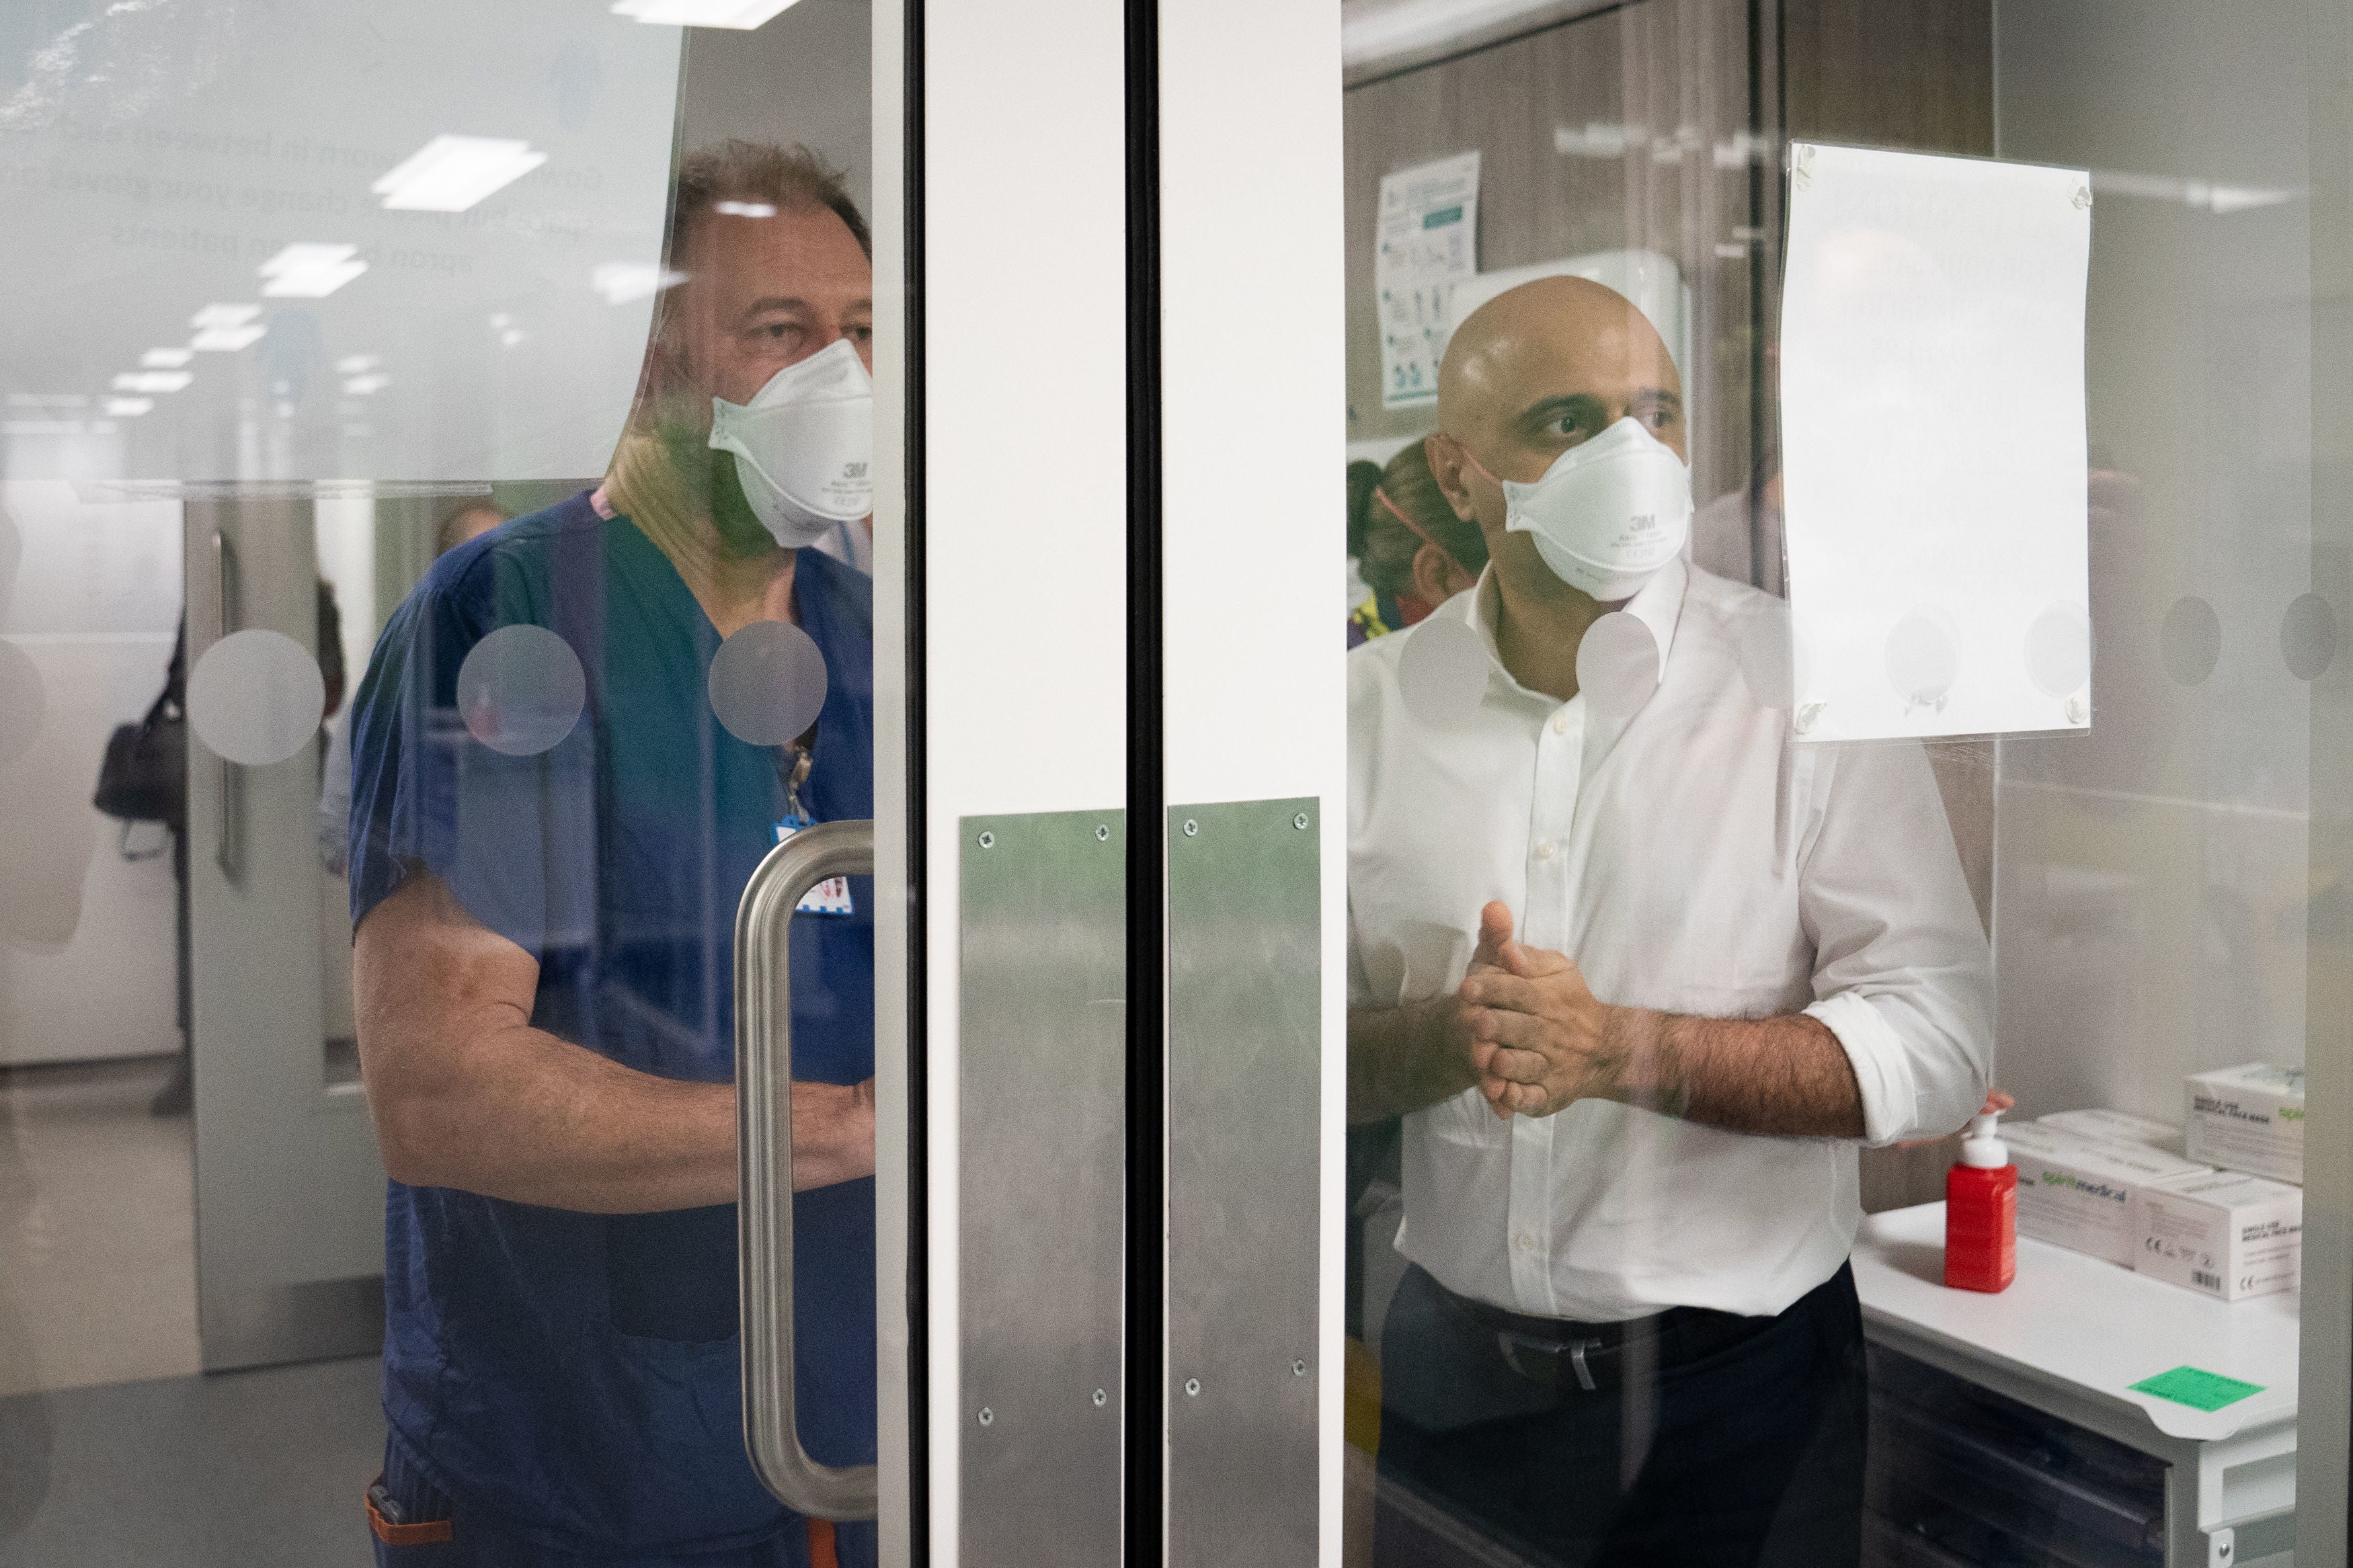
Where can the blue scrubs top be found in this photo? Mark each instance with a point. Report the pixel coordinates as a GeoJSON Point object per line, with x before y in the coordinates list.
{"type": "Point", "coordinates": [574, 1376]}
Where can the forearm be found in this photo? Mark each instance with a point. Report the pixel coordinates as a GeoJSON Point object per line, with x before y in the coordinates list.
{"type": "Point", "coordinates": [538, 1120]}
{"type": "Point", "coordinates": [549, 1122]}
{"type": "Point", "coordinates": [1405, 1057]}
{"type": "Point", "coordinates": [521, 1115]}
{"type": "Point", "coordinates": [467, 1094]}
{"type": "Point", "coordinates": [1782, 1076]}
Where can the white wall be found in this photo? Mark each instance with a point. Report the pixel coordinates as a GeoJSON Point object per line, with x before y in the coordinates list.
{"type": "Point", "coordinates": [87, 966]}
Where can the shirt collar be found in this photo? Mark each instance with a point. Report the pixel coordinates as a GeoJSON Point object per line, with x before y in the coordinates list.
{"type": "Point", "coordinates": [1658, 605]}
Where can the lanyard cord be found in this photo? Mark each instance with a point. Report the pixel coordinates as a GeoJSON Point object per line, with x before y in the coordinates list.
{"type": "Point", "coordinates": [794, 773]}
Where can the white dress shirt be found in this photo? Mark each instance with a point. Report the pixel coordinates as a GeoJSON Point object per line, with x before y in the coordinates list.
{"type": "Point", "coordinates": [1691, 857]}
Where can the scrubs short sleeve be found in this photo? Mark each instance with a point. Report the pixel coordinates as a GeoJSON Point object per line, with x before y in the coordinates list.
{"type": "Point", "coordinates": [426, 792]}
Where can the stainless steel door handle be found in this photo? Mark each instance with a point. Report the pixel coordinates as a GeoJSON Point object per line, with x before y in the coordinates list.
{"type": "Point", "coordinates": [764, 1213]}
{"type": "Point", "coordinates": [228, 845]}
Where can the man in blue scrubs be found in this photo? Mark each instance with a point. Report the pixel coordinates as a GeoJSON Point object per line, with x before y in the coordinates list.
{"type": "Point", "coordinates": [545, 913]}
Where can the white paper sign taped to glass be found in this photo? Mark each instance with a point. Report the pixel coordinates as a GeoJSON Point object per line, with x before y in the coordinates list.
{"type": "Point", "coordinates": [1426, 241]}
{"type": "Point", "coordinates": [1933, 444]}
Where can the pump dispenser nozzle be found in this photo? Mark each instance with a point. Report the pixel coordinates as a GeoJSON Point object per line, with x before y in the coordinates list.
{"type": "Point", "coordinates": [1981, 1147]}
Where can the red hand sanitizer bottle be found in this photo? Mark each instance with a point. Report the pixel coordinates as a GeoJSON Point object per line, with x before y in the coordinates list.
{"type": "Point", "coordinates": [1981, 1210]}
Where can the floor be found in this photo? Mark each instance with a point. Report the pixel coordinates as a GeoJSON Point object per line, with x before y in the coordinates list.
{"type": "Point", "coordinates": [114, 1449]}
{"type": "Point", "coordinates": [98, 1271]}
{"type": "Point", "coordinates": [252, 1469]}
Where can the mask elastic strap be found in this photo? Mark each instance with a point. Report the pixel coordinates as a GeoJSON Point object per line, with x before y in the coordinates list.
{"type": "Point", "coordinates": [1422, 533]}
{"type": "Point", "coordinates": [1473, 458]}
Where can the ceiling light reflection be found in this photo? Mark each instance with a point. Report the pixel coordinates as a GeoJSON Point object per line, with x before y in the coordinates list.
{"type": "Point", "coordinates": [226, 340]}
{"type": "Point", "coordinates": [451, 173]}
{"type": "Point", "coordinates": [739, 14]}
{"type": "Point", "coordinates": [224, 316]}
{"type": "Point", "coordinates": [622, 281]}
{"type": "Point", "coordinates": [308, 270]}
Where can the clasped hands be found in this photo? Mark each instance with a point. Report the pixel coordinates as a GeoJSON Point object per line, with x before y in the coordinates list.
{"type": "Point", "coordinates": [1535, 1035]}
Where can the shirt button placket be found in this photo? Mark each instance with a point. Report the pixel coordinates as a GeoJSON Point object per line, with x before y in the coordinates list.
{"type": "Point", "coordinates": [1555, 805]}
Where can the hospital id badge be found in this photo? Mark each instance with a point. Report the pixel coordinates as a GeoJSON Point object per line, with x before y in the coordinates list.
{"type": "Point", "coordinates": [830, 897]}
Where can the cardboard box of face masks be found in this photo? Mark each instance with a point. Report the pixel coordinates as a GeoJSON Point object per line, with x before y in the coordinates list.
{"type": "Point", "coordinates": [2249, 1119]}
{"type": "Point", "coordinates": [2082, 1194]}
{"type": "Point", "coordinates": [2226, 1235]}
{"type": "Point", "coordinates": [2119, 1127]}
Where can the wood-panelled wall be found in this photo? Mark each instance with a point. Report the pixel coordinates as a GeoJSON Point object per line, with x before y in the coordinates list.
{"type": "Point", "coordinates": [1913, 74]}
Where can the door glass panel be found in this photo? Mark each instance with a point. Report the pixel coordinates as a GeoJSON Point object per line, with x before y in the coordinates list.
{"type": "Point", "coordinates": [436, 521]}
{"type": "Point", "coordinates": [1670, 993]}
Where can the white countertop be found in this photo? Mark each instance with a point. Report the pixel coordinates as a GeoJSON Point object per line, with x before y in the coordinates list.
{"type": "Point", "coordinates": [2077, 1320]}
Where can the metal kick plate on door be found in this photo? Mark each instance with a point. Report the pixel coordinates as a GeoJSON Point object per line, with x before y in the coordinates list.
{"type": "Point", "coordinates": [1245, 1095]}
{"type": "Point", "coordinates": [1042, 1112]}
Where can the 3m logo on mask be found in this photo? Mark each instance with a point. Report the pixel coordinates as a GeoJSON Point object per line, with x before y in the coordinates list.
{"type": "Point", "coordinates": [804, 446]}
{"type": "Point", "coordinates": [1607, 513]}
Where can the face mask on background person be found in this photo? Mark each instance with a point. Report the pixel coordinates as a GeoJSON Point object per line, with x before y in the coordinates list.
{"type": "Point", "coordinates": [1608, 514]}
{"type": "Point", "coordinates": [804, 446]}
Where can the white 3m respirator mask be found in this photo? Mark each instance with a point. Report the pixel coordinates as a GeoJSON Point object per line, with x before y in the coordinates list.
{"type": "Point", "coordinates": [1608, 513]}
{"type": "Point", "coordinates": [804, 446]}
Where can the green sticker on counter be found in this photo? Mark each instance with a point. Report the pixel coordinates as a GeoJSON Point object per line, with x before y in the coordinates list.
{"type": "Point", "coordinates": [2197, 1389]}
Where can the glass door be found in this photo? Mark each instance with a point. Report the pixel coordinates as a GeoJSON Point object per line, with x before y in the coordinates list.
{"type": "Point", "coordinates": [439, 501]}
{"type": "Point", "coordinates": [669, 679]}
{"type": "Point", "coordinates": [1845, 587]}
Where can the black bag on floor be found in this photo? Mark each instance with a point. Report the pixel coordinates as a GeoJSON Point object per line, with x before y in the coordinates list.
{"type": "Point", "coordinates": [144, 776]}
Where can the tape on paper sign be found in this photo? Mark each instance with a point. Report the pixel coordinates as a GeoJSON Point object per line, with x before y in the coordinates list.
{"type": "Point", "coordinates": [2198, 1389]}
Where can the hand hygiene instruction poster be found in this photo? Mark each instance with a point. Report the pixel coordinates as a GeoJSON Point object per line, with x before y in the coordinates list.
{"type": "Point", "coordinates": [1934, 452]}
{"type": "Point", "coordinates": [1426, 242]}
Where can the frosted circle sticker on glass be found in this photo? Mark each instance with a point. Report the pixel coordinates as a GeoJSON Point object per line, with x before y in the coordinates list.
{"type": "Point", "coordinates": [22, 704]}
{"type": "Point", "coordinates": [2189, 641]}
{"type": "Point", "coordinates": [1923, 660]}
{"type": "Point", "coordinates": [1441, 672]}
{"type": "Point", "coordinates": [256, 697]}
{"type": "Point", "coordinates": [2308, 636]}
{"type": "Point", "coordinates": [521, 691]}
{"type": "Point", "coordinates": [2059, 650]}
{"type": "Point", "coordinates": [1617, 664]}
{"type": "Point", "coordinates": [768, 683]}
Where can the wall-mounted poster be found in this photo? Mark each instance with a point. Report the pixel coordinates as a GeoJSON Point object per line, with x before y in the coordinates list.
{"type": "Point", "coordinates": [1427, 241]}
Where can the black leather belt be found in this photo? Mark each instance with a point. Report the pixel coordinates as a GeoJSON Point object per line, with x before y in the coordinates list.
{"type": "Point", "coordinates": [1595, 1355]}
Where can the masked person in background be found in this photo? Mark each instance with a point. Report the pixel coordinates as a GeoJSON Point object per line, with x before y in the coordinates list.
{"type": "Point", "coordinates": [1413, 552]}
{"type": "Point", "coordinates": [1640, 973]}
{"type": "Point", "coordinates": [553, 821]}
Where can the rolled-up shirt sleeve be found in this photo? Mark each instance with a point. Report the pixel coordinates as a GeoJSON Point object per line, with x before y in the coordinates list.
{"type": "Point", "coordinates": [1903, 976]}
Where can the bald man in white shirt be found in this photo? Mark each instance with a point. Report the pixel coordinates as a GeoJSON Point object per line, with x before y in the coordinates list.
{"type": "Point", "coordinates": [1641, 971]}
